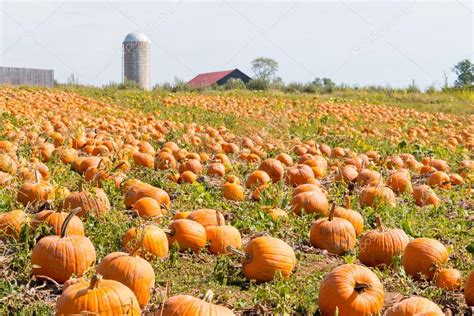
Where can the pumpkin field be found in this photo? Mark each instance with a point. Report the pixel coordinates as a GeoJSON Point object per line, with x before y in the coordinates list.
{"type": "Point", "coordinates": [233, 203]}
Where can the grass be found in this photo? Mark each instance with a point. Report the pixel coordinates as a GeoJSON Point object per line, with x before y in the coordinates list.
{"type": "Point", "coordinates": [186, 273]}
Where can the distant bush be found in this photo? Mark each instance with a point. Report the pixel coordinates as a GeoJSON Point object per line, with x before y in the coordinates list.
{"type": "Point", "coordinates": [234, 84]}
{"type": "Point", "coordinates": [293, 87]}
{"type": "Point", "coordinates": [258, 84]}
{"type": "Point", "coordinates": [127, 85]}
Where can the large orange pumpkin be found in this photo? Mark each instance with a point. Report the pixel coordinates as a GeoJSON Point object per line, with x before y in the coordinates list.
{"type": "Point", "coordinates": [351, 290]}
{"type": "Point", "coordinates": [186, 305]}
{"type": "Point", "coordinates": [423, 257]}
{"type": "Point", "coordinates": [206, 217]}
{"type": "Point", "coordinates": [378, 247]}
{"type": "Point", "coordinates": [94, 202]}
{"type": "Point", "coordinates": [35, 193]}
{"type": "Point", "coordinates": [155, 242]}
{"type": "Point", "coordinates": [130, 270]}
{"type": "Point", "coordinates": [264, 257]}
{"type": "Point", "coordinates": [311, 202]}
{"type": "Point", "coordinates": [298, 175]}
{"type": "Point", "coordinates": [274, 168]}
{"type": "Point", "coordinates": [188, 234]}
{"type": "Point", "coordinates": [56, 219]}
{"type": "Point", "coordinates": [414, 306]}
{"type": "Point", "coordinates": [148, 207]}
{"type": "Point", "coordinates": [138, 190]}
{"type": "Point", "coordinates": [11, 223]}
{"type": "Point", "coordinates": [107, 297]}
{"type": "Point", "coordinates": [333, 234]}
{"type": "Point", "coordinates": [221, 236]}
{"type": "Point", "coordinates": [352, 216]}
{"type": "Point", "coordinates": [59, 257]}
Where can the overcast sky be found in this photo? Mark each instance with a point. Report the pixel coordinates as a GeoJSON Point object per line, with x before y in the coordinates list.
{"type": "Point", "coordinates": [353, 42]}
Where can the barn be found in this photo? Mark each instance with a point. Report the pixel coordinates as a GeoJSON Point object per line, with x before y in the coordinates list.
{"type": "Point", "coordinates": [218, 77]}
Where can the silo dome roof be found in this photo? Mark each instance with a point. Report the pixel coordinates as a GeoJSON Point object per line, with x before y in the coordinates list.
{"type": "Point", "coordinates": [136, 37]}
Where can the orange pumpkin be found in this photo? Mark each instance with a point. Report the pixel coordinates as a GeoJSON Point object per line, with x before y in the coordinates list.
{"type": "Point", "coordinates": [336, 235]}
{"type": "Point", "coordinates": [351, 290]}
{"type": "Point", "coordinates": [134, 272]}
{"type": "Point", "coordinates": [206, 217]}
{"type": "Point", "coordinates": [285, 159]}
{"type": "Point", "coordinates": [155, 241]}
{"type": "Point", "coordinates": [11, 223]}
{"type": "Point", "coordinates": [448, 279]}
{"type": "Point", "coordinates": [414, 306]}
{"type": "Point", "coordinates": [376, 196]}
{"type": "Point", "coordinates": [263, 257]}
{"type": "Point", "coordinates": [221, 236]}
{"type": "Point", "coordinates": [310, 202]}
{"type": "Point", "coordinates": [188, 305]}
{"type": "Point", "coordinates": [469, 289]}
{"type": "Point", "coordinates": [424, 195]}
{"type": "Point", "coordinates": [274, 168]}
{"type": "Point", "coordinates": [139, 190]}
{"type": "Point", "coordinates": [352, 216]}
{"type": "Point", "coordinates": [257, 178]}
{"type": "Point", "coordinates": [35, 193]}
{"type": "Point", "coordinates": [439, 179]}
{"type": "Point", "coordinates": [299, 174]}
{"type": "Point", "coordinates": [400, 181]}
{"type": "Point", "coordinates": [187, 234]}
{"type": "Point", "coordinates": [233, 191]}
{"type": "Point", "coordinates": [96, 297]}
{"type": "Point", "coordinates": [52, 255]}
{"type": "Point", "coordinates": [193, 165]}
{"type": "Point", "coordinates": [55, 220]}
{"type": "Point", "coordinates": [148, 207]}
{"type": "Point", "coordinates": [423, 257]}
{"type": "Point", "coordinates": [94, 203]}
{"type": "Point", "coordinates": [378, 247]}
{"type": "Point", "coordinates": [216, 169]}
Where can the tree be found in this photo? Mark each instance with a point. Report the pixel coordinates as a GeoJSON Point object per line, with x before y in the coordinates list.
{"type": "Point", "coordinates": [264, 68]}
{"type": "Point", "coordinates": [465, 72]}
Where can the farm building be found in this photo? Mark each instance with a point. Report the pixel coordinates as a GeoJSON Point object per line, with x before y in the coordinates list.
{"type": "Point", "coordinates": [218, 77]}
{"type": "Point", "coordinates": [26, 76]}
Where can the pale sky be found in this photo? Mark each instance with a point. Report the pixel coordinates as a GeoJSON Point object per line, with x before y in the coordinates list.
{"type": "Point", "coordinates": [352, 42]}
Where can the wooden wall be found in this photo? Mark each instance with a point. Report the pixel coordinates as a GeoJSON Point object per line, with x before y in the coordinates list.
{"type": "Point", "coordinates": [26, 76]}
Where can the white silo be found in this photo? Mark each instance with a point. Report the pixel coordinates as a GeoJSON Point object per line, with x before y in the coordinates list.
{"type": "Point", "coordinates": [136, 59]}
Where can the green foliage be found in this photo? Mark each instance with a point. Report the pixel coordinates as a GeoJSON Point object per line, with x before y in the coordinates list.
{"type": "Point", "coordinates": [234, 84]}
{"type": "Point", "coordinates": [264, 68]}
{"type": "Point", "coordinates": [465, 72]}
{"type": "Point", "coordinates": [258, 85]}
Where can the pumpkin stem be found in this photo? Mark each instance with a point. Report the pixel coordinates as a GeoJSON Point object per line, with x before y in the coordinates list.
{"type": "Point", "coordinates": [168, 231]}
{"type": "Point", "coordinates": [95, 280]}
{"type": "Point", "coordinates": [348, 201]}
{"type": "Point", "coordinates": [331, 212]}
{"type": "Point", "coordinates": [67, 220]}
{"type": "Point", "coordinates": [81, 184]}
{"type": "Point", "coordinates": [238, 253]}
{"type": "Point", "coordinates": [379, 223]}
{"type": "Point", "coordinates": [120, 164]}
{"type": "Point", "coordinates": [100, 163]}
{"type": "Point", "coordinates": [139, 244]}
{"type": "Point", "coordinates": [219, 219]}
{"type": "Point", "coordinates": [378, 183]}
{"type": "Point", "coordinates": [208, 296]}
{"type": "Point", "coordinates": [36, 176]}
{"type": "Point", "coordinates": [361, 287]}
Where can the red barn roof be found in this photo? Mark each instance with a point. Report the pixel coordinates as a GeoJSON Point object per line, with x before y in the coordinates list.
{"type": "Point", "coordinates": [208, 79]}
